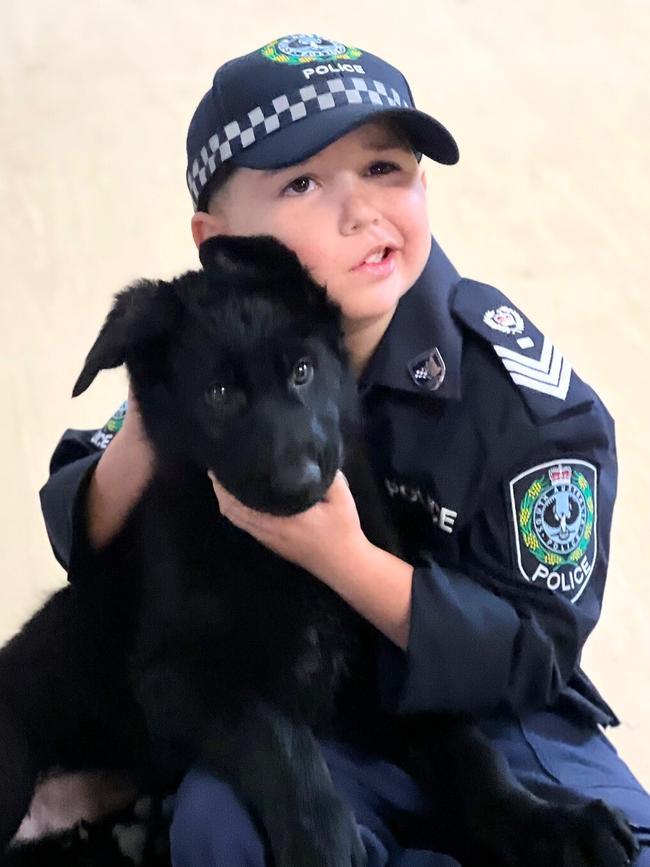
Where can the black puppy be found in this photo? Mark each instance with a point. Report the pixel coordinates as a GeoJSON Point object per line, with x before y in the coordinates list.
{"type": "Point", "coordinates": [187, 642]}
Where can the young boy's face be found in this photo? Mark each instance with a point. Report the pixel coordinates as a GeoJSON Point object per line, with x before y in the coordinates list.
{"type": "Point", "coordinates": [359, 200]}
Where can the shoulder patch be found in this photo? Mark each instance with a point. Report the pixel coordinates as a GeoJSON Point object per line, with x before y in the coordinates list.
{"type": "Point", "coordinates": [554, 515]}
{"type": "Point", "coordinates": [534, 364]}
{"type": "Point", "coordinates": [101, 438]}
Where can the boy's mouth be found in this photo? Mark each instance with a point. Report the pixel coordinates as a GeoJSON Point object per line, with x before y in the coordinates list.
{"type": "Point", "coordinates": [377, 260]}
{"type": "Point", "coordinates": [374, 257]}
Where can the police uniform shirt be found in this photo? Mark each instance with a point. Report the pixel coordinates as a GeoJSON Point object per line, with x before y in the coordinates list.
{"type": "Point", "coordinates": [498, 467]}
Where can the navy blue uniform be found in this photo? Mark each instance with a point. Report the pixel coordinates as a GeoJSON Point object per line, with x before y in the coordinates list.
{"type": "Point", "coordinates": [498, 466]}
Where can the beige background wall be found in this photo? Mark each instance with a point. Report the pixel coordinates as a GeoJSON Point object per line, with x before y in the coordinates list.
{"type": "Point", "coordinates": [550, 105]}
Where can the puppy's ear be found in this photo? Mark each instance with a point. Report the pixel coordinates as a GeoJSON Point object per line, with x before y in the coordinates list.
{"type": "Point", "coordinates": [234, 254]}
{"type": "Point", "coordinates": [274, 269]}
{"type": "Point", "coordinates": [142, 315]}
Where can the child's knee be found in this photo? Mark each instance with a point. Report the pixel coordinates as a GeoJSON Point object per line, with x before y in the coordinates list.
{"type": "Point", "coordinates": [212, 827]}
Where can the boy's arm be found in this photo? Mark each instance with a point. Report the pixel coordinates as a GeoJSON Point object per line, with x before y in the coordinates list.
{"type": "Point", "coordinates": [470, 645]}
{"type": "Point", "coordinates": [119, 479]}
{"type": "Point", "coordinates": [96, 478]}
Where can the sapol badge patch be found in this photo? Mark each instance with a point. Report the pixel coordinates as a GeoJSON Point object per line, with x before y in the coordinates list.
{"type": "Point", "coordinates": [554, 513]}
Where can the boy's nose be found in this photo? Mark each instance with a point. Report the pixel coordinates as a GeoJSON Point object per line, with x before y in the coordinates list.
{"type": "Point", "coordinates": [357, 211]}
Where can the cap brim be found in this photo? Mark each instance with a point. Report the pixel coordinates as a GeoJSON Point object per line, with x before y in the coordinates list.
{"type": "Point", "coordinates": [303, 138]}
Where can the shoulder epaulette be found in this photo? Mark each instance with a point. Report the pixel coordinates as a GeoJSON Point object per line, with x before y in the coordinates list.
{"type": "Point", "coordinates": [535, 365]}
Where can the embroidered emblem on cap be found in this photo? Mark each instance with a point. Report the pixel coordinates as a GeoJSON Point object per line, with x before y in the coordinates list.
{"type": "Point", "coordinates": [504, 319]}
{"type": "Point", "coordinates": [428, 370]}
{"type": "Point", "coordinates": [307, 48]}
{"type": "Point", "coordinates": [554, 515]}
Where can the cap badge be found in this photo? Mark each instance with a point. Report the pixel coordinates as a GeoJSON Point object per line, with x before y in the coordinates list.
{"type": "Point", "coordinates": [504, 319]}
{"type": "Point", "coordinates": [308, 48]}
{"type": "Point", "coordinates": [428, 370]}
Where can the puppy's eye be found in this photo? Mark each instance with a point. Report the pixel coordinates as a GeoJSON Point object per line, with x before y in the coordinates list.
{"type": "Point", "coordinates": [225, 400]}
{"type": "Point", "coordinates": [302, 372]}
{"type": "Point", "coordinates": [218, 395]}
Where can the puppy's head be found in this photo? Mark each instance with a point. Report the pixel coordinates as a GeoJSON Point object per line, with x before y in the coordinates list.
{"type": "Point", "coordinates": [239, 368]}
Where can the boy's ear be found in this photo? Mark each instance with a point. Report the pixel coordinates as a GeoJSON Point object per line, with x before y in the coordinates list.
{"type": "Point", "coordinates": [142, 316]}
{"type": "Point", "coordinates": [205, 225]}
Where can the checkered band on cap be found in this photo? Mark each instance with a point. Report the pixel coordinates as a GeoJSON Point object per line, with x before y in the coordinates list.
{"type": "Point", "coordinates": [281, 112]}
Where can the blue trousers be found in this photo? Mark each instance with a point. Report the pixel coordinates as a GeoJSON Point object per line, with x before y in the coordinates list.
{"type": "Point", "coordinates": [547, 752]}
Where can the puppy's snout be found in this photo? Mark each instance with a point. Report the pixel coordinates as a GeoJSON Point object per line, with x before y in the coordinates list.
{"type": "Point", "coordinates": [295, 477]}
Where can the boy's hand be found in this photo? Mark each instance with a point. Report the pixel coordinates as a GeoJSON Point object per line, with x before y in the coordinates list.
{"type": "Point", "coordinates": [325, 540]}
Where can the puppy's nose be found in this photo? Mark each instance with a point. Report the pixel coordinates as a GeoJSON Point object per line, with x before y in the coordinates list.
{"type": "Point", "coordinates": [295, 477]}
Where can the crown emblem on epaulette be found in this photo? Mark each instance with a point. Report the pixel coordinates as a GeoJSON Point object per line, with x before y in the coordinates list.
{"type": "Point", "coordinates": [504, 319]}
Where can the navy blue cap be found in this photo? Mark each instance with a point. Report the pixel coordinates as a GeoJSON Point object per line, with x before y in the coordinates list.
{"type": "Point", "coordinates": [281, 104]}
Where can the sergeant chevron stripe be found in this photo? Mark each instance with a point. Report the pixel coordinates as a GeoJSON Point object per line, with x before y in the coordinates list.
{"type": "Point", "coordinates": [550, 373]}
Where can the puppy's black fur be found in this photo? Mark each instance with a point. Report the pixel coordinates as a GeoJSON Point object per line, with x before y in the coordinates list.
{"type": "Point", "coordinates": [186, 642]}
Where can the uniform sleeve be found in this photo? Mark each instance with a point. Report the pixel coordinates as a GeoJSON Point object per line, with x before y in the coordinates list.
{"type": "Point", "coordinates": [472, 649]}
{"type": "Point", "coordinates": [505, 629]}
{"type": "Point", "coordinates": [63, 497]}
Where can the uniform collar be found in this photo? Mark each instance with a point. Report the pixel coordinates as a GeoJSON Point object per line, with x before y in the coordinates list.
{"type": "Point", "coordinates": [421, 324]}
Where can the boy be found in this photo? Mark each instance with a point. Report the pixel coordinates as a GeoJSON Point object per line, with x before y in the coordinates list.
{"type": "Point", "coordinates": [496, 460]}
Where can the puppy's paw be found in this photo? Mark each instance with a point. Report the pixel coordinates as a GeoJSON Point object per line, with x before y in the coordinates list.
{"type": "Point", "coordinates": [592, 834]}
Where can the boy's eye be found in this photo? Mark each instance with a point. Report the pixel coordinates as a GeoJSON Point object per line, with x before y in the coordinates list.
{"type": "Point", "coordinates": [299, 186]}
{"type": "Point", "coordinates": [382, 168]}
